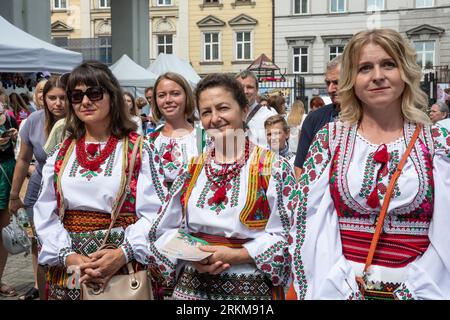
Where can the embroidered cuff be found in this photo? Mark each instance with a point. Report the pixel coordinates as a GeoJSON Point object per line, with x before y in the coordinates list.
{"type": "Point", "coordinates": [403, 293]}
{"type": "Point", "coordinates": [356, 296]}
{"type": "Point", "coordinates": [163, 264]}
{"type": "Point", "coordinates": [63, 254]}
{"type": "Point", "coordinates": [127, 250]}
{"type": "Point", "coordinates": [275, 263]}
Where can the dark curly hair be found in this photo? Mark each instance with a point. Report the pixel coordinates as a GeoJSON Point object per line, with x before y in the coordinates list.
{"type": "Point", "coordinates": [227, 82]}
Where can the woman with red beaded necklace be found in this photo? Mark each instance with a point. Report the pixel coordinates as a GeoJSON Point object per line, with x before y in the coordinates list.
{"type": "Point", "coordinates": [236, 196]}
{"type": "Point", "coordinates": [82, 180]}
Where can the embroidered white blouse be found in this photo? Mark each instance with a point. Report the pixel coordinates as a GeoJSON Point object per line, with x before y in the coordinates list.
{"type": "Point", "coordinates": [224, 220]}
{"type": "Point", "coordinates": [181, 149]}
{"type": "Point", "coordinates": [320, 268]}
{"type": "Point", "coordinates": [83, 189]}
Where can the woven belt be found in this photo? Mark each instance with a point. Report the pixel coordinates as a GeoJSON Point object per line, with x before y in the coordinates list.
{"type": "Point", "coordinates": [221, 241]}
{"type": "Point", "coordinates": [84, 221]}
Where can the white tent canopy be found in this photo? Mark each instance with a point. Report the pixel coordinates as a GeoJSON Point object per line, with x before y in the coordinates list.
{"type": "Point", "coordinates": [130, 74]}
{"type": "Point", "coordinates": [169, 62]}
{"type": "Point", "coordinates": [21, 52]}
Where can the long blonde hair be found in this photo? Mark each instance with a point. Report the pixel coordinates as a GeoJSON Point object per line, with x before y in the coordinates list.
{"type": "Point", "coordinates": [414, 100]}
{"type": "Point", "coordinates": [295, 117]}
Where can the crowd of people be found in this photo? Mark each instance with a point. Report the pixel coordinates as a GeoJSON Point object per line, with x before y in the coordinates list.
{"type": "Point", "coordinates": [346, 201]}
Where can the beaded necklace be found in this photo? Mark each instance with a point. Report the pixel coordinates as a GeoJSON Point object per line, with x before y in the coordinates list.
{"type": "Point", "coordinates": [83, 157]}
{"type": "Point", "coordinates": [221, 178]}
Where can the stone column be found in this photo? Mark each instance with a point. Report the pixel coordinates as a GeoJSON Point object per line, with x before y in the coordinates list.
{"type": "Point", "coordinates": [130, 30]}
{"type": "Point", "coordinates": [32, 16]}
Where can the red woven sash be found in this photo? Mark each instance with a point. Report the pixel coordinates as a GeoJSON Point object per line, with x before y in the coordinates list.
{"type": "Point", "coordinates": [221, 241]}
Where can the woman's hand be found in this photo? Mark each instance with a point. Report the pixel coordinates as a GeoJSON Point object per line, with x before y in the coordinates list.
{"type": "Point", "coordinates": [104, 264]}
{"type": "Point", "coordinates": [15, 134]}
{"type": "Point", "coordinates": [15, 204]}
{"type": "Point", "coordinates": [4, 140]}
{"type": "Point", "coordinates": [76, 259]}
{"type": "Point", "coordinates": [222, 259]}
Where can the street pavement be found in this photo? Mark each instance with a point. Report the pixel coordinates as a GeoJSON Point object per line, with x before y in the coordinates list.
{"type": "Point", "coordinates": [19, 274]}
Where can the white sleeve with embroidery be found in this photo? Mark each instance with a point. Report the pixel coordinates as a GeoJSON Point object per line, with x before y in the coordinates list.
{"type": "Point", "coordinates": [54, 239]}
{"type": "Point", "coordinates": [165, 226]}
{"type": "Point", "coordinates": [429, 276]}
{"type": "Point", "coordinates": [269, 249]}
{"type": "Point", "coordinates": [319, 267]}
{"type": "Point", "coordinates": [150, 194]}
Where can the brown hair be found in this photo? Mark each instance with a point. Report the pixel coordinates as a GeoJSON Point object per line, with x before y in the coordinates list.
{"type": "Point", "coordinates": [278, 118]}
{"type": "Point", "coordinates": [50, 118]}
{"type": "Point", "coordinates": [277, 103]}
{"type": "Point", "coordinates": [17, 103]}
{"type": "Point", "coordinates": [315, 103]}
{"type": "Point", "coordinates": [91, 74]}
{"type": "Point", "coordinates": [181, 81]}
{"type": "Point", "coordinates": [133, 110]}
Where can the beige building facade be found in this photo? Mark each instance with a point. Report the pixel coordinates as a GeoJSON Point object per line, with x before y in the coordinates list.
{"type": "Point", "coordinates": [84, 24]}
{"type": "Point", "coordinates": [227, 35]}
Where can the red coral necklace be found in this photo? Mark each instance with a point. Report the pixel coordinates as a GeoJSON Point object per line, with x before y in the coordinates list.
{"type": "Point", "coordinates": [86, 154]}
{"type": "Point", "coordinates": [220, 178]}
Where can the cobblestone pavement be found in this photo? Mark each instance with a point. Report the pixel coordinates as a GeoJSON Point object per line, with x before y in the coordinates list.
{"type": "Point", "coordinates": [19, 274]}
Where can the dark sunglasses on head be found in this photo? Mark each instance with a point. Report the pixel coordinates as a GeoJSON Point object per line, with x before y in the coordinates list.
{"type": "Point", "coordinates": [93, 93]}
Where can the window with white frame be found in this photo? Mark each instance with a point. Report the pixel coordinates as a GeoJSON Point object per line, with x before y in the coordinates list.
{"type": "Point", "coordinates": [337, 6]}
{"type": "Point", "coordinates": [211, 46]}
{"type": "Point", "coordinates": [336, 51]}
{"type": "Point", "coordinates": [425, 54]}
{"type": "Point", "coordinates": [300, 6]}
{"type": "Point", "coordinates": [164, 2]}
{"type": "Point", "coordinates": [424, 3]}
{"type": "Point", "coordinates": [375, 5]}
{"type": "Point", "coordinates": [300, 60]}
{"type": "Point", "coordinates": [210, 1]}
{"type": "Point", "coordinates": [165, 44]}
{"type": "Point", "coordinates": [243, 45]}
{"type": "Point", "coordinates": [105, 49]}
{"type": "Point", "coordinates": [103, 4]}
{"type": "Point", "coordinates": [60, 4]}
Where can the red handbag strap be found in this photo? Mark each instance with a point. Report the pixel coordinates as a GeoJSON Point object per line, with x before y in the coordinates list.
{"type": "Point", "coordinates": [384, 208]}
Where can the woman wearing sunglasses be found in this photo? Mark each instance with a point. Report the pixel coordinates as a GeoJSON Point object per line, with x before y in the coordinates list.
{"type": "Point", "coordinates": [82, 180]}
{"type": "Point", "coordinates": [33, 135]}
{"type": "Point", "coordinates": [176, 140]}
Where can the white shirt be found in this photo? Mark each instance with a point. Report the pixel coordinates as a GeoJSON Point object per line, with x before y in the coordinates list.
{"type": "Point", "coordinates": [96, 191]}
{"type": "Point", "coordinates": [182, 150]}
{"type": "Point", "coordinates": [445, 123]}
{"type": "Point", "coordinates": [224, 219]}
{"type": "Point", "coordinates": [325, 272]}
{"type": "Point", "coordinates": [257, 133]}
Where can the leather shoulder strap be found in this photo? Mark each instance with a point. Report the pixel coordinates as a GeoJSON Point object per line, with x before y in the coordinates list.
{"type": "Point", "coordinates": [116, 210]}
{"type": "Point", "coordinates": [390, 188]}
{"type": "Point", "coordinates": [252, 113]}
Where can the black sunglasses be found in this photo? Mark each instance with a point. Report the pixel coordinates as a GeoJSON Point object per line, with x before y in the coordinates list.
{"type": "Point", "coordinates": [93, 93]}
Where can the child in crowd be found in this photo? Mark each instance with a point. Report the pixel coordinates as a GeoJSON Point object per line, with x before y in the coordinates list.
{"type": "Point", "coordinates": [277, 132]}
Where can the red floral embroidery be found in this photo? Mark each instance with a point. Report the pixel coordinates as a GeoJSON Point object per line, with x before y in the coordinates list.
{"type": "Point", "coordinates": [318, 158]}
{"type": "Point", "coordinates": [220, 195]}
{"type": "Point", "coordinates": [168, 156]}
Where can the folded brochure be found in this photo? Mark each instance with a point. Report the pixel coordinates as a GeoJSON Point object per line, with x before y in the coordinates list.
{"type": "Point", "coordinates": [185, 247]}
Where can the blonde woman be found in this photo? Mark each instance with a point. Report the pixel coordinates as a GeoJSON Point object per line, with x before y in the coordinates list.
{"type": "Point", "coordinates": [38, 96]}
{"type": "Point", "coordinates": [344, 185]}
{"type": "Point", "coordinates": [295, 120]}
